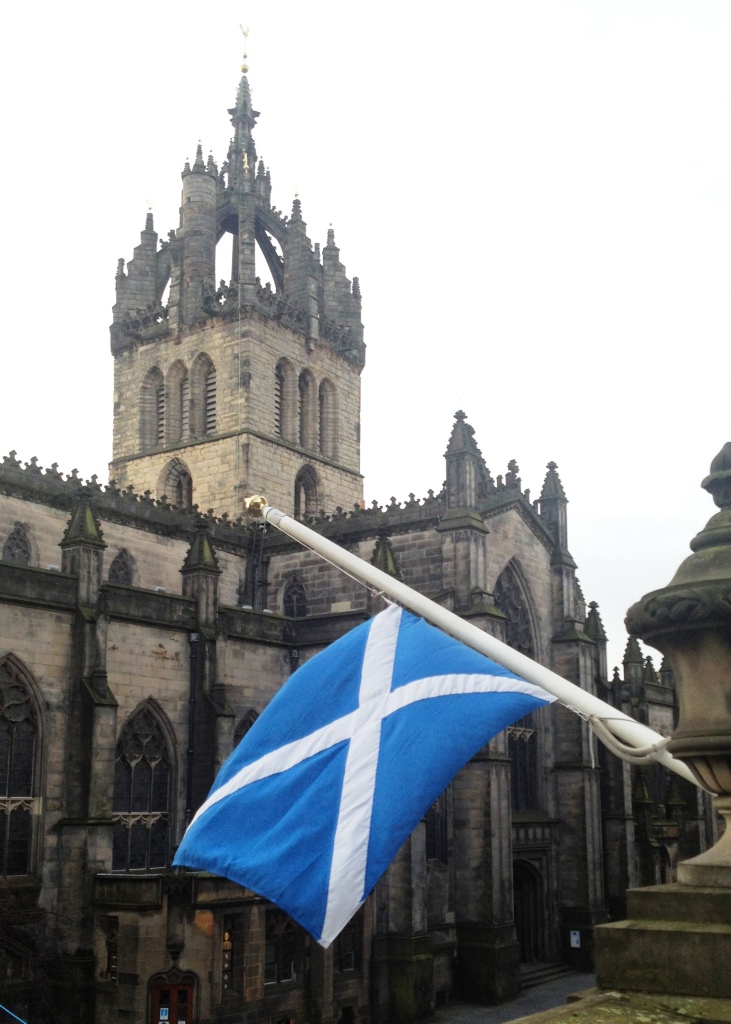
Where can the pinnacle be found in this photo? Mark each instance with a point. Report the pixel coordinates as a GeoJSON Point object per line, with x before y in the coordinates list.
{"type": "Point", "coordinates": [462, 438]}
{"type": "Point", "coordinates": [632, 653]}
{"type": "Point", "coordinates": [552, 486]}
{"type": "Point", "coordinates": [594, 627]}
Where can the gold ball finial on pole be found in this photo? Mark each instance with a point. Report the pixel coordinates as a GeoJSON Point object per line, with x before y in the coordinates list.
{"type": "Point", "coordinates": [245, 34]}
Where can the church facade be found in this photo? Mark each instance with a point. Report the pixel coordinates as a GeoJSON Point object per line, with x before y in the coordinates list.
{"type": "Point", "coordinates": [145, 624]}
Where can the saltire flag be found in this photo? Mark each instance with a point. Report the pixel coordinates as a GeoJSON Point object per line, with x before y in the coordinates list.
{"type": "Point", "coordinates": [312, 806]}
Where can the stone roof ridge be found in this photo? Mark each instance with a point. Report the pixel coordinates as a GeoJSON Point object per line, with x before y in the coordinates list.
{"type": "Point", "coordinates": [394, 507]}
{"type": "Point", "coordinates": [552, 486]}
{"type": "Point", "coordinates": [41, 484]}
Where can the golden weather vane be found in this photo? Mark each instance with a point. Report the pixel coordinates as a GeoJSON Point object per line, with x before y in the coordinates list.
{"type": "Point", "coordinates": [245, 34]}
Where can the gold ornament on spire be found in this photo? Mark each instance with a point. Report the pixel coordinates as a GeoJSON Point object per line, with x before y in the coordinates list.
{"type": "Point", "coordinates": [245, 34]}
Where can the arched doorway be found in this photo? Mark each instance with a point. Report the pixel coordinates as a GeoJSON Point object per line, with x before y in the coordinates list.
{"type": "Point", "coordinates": [530, 912]}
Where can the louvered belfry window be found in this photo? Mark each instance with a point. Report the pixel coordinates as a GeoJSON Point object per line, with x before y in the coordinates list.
{"type": "Point", "coordinates": [141, 804]}
{"type": "Point", "coordinates": [160, 411]}
{"type": "Point", "coordinates": [211, 401]}
{"type": "Point", "coordinates": [18, 749]}
{"type": "Point", "coordinates": [185, 408]}
{"type": "Point", "coordinates": [278, 393]}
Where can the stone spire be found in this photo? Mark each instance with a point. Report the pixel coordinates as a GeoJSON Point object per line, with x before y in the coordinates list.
{"type": "Point", "coordinates": [242, 154]}
{"type": "Point", "coordinates": [594, 627]}
{"type": "Point", "coordinates": [553, 504]}
{"type": "Point", "coordinates": [466, 469]}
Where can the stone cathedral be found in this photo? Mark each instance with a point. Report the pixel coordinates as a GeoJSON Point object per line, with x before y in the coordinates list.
{"type": "Point", "coordinates": [145, 625]}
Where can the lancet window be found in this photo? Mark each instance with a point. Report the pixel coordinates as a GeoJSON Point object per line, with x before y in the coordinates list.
{"type": "Point", "coordinates": [295, 598]}
{"type": "Point", "coordinates": [283, 948]}
{"type": "Point", "coordinates": [328, 426]}
{"type": "Point", "coordinates": [305, 493]}
{"type": "Point", "coordinates": [18, 770]}
{"type": "Point", "coordinates": [141, 802]}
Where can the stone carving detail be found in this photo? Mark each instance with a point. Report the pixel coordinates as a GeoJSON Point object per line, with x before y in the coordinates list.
{"type": "Point", "coordinates": [146, 323]}
{"type": "Point", "coordinates": [687, 606]}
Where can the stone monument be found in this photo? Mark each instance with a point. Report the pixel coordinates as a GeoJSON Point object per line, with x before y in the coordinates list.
{"type": "Point", "coordinates": [677, 939]}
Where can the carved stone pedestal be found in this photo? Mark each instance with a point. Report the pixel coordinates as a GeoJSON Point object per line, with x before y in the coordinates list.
{"type": "Point", "coordinates": [677, 941]}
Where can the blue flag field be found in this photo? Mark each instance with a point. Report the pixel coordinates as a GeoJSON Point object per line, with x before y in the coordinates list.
{"type": "Point", "coordinates": [312, 806]}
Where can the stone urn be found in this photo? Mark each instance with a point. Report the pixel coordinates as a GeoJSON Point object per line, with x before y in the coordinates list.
{"type": "Point", "coordinates": [690, 622]}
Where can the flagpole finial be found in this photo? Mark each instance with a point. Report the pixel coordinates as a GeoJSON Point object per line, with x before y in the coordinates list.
{"type": "Point", "coordinates": [254, 505]}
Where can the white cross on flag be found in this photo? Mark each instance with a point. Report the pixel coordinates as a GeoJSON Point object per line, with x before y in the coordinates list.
{"type": "Point", "coordinates": [314, 803]}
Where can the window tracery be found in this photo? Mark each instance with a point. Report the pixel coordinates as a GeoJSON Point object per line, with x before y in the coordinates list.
{"type": "Point", "coordinates": [295, 598]}
{"type": "Point", "coordinates": [120, 571]}
{"type": "Point", "coordinates": [141, 802]}
{"type": "Point", "coordinates": [510, 599]}
{"type": "Point", "coordinates": [18, 752]}
{"type": "Point", "coordinates": [17, 549]}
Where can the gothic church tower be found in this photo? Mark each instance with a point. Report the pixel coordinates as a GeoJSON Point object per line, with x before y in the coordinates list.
{"type": "Point", "coordinates": [223, 390]}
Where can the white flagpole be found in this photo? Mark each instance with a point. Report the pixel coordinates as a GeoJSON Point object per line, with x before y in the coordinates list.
{"type": "Point", "coordinates": [623, 735]}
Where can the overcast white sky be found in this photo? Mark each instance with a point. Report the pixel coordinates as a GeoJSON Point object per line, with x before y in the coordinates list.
{"type": "Point", "coordinates": [535, 194]}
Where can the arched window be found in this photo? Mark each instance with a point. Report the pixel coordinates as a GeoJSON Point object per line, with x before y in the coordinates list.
{"type": "Point", "coordinates": [511, 599]}
{"type": "Point", "coordinates": [18, 770]}
{"type": "Point", "coordinates": [178, 403]}
{"type": "Point", "coordinates": [437, 835]}
{"type": "Point", "coordinates": [176, 484]}
{"type": "Point", "coordinates": [294, 601]}
{"type": "Point", "coordinates": [308, 411]}
{"type": "Point", "coordinates": [284, 948]}
{"type": "Point", "coordinates": [285, 401]}
{"type": "Point", "coordinates": [152, 409]}
{"type": "Point", "coordinates": [305, 493]}
{"type": "Point", "coordinates": [121, 570]}
{"type": "Point", "coordinates": [523, 752]}
{"type": "Point", "coordinates": [328, 420]}
{"type": "Point", "coordinates": [141, 802]}
{"type": "Point", "coordinates": [16, 548]}
{"type": "Point", "coordinates": [202, 403]}
{"type": "Point", "coordinates": [244, 724]}
{"type": "Point", "coordinates": [210, 388]}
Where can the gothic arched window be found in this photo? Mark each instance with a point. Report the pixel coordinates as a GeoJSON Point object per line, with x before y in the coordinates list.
{"type": "Point", "coordinates": [511, 600]}
{"type": "Point", "coordinates": [437, 835]}
{"type": "Point", "coordinates": [210, 396]}
{"type": "Point", "coordinates": [16, 548]}
{"type": "Point", "coordinates": [18, 753]}
{"type": "Point", "coordinates": [523, 753]}
{"type": "Point", "coordinates": [202, 397]}
{"type": "Point", "coordinates": [244, 724]}
{"type": "Point", "coordinates": [285, 401]}
{"type": "Point", "coordinates": [141, 802]}
{"type": "Point", "coordinates": [176, 483]}
{"type": "Point", "coordinates": [284, 948]}
{"type": "Point", "coordinates": [178, 392]}
{"type": "Point", "coordinates": [328, 425]}
{"type": "Point", "coordinates": [305, 493]}
{"type": "Point", "coordinates": [294, 601]}
{"type": "Point", "coordinates": [308, 410]}
{"type": "Point", "coordinates": [152, 409]}
{"type": "Point", "coordinates": [121, 569]}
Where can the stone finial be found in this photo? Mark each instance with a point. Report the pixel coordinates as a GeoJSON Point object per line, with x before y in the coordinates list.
{"type": "Point", "coordinates": [211, 166]}
{"type": "Point", "coordinates": [120, 269]}
{"type": "Point", "coordinates": [718, 482]}
{"type": "Point", "coordinates": [83, 527]}
{"type": "Point", "coordinates": [296, 208]}
{"type": "Point", "coordinates": [201, 556]}
{"type": "Point", "coordinates": [632, 653]}
{"type": "Point", "coordinates": [462, 438]}
{"type": "Point", "coordinates": [356, 288]}
{"type": "Point", "coordinates": [552, 486]}
{"type": "Point", "coordinates": [383, 558]}
{"type": "Point", "coordinates": [650, 675]}
{"type": "Point", "coordinates": [330, 238]}
{"type": "Point", "coordinates": [186, 168]}
{"type": "Point", "coordinates": [149, 222]}
{"type": "Point", "coordinates": [594, 627]}
{"type": "Point", "coordinates": [199, 166]}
